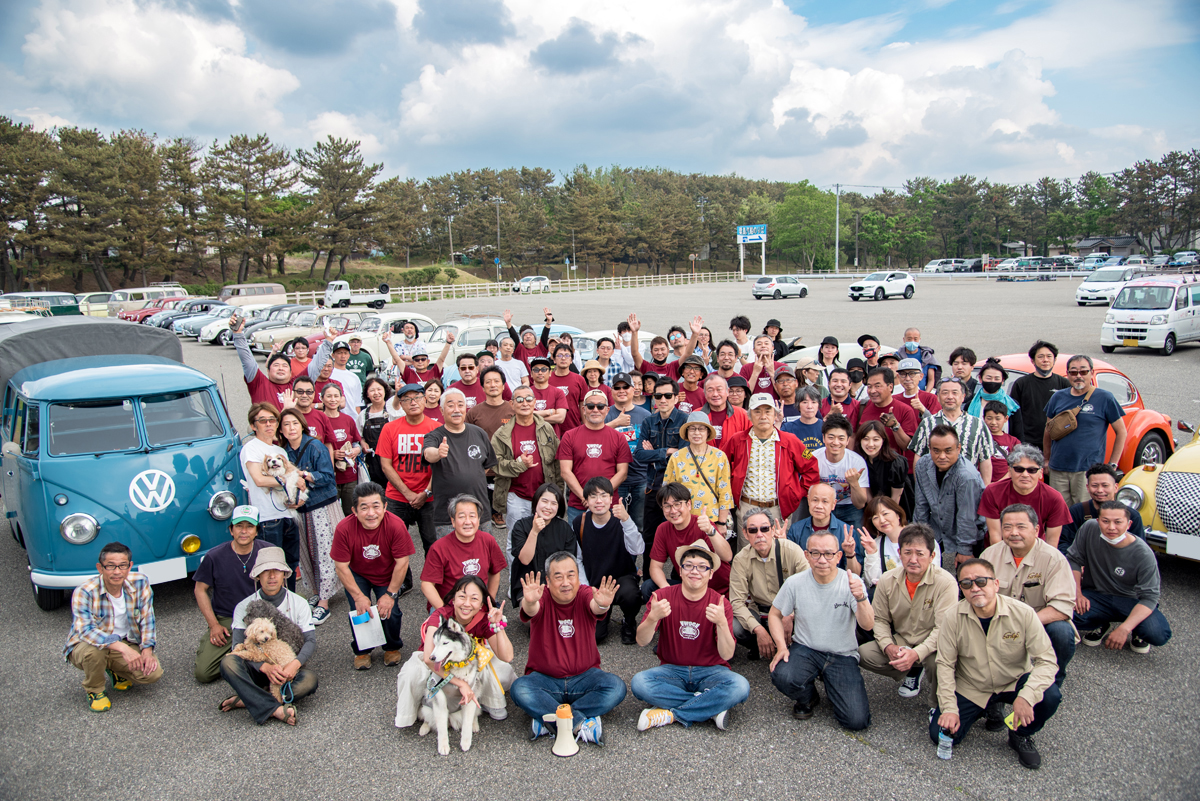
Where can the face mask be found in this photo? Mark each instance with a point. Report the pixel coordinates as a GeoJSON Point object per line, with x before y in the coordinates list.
{"type": "Point", "coordinates": [1043, 373]}
{"type": "Point", "coordinates": [991, 387]}
{"type": "Point", "coordinates": [1111, 541]}
{"type": "Point", "coordinates": [911, 347]}
{"type": "Point", "coordinates": [870, 352]}
{"type": "Point", "coordinates": [626, 337]}
{"type": "Point", "coordinates": [856, 376]}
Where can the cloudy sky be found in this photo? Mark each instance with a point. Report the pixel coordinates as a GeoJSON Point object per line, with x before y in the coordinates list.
{"type": "Point", "coordinates": [856, 91]}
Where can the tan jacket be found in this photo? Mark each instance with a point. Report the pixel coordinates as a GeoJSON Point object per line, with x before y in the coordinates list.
{"type": "Point", "coordinates": [914, 621]}
{"type": "Point", "coordinates": [978, 666]}
{"type": "Point", "coordinates": [508, 467]}
{"type": "Point", "coordinates": [1043, 579]}
{"type": "Point", "coordinates": [753, 580]}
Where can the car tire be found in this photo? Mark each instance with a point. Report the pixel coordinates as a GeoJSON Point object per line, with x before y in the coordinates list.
{"type": "Point", "coordinates": [854, 298]}
{"type": "Point", "coordinates": [48, 599]}
{"type": "Point", "coordinates": [879, 294]}
{"type": "Point", "coordinates": [803, 293]}
{"type": "Point", "coordinates": [1107, 348]}
{"type": "Point", "coordinates": [1080, 303]}
{"type": "Point", "coordinates": [777, 295]}
{"type": "Point", "coordinates": [909, 291]}
{"type": "Point", "coordinates": [1168, 345]}
{"type": "Point", "coordinates": [1151, 450]}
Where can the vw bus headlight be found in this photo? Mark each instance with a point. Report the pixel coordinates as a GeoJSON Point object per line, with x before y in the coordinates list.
{"type": "Point", "coordinates": [222, 505]}
{"type": "Point", "coordinates": [79, 529]}
{"type": "Point", "coordinates": [1131, 496]}
{"type": "Point", "coordinates": [190, 544]}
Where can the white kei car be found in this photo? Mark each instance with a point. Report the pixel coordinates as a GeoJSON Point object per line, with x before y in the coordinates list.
{"type": "Point", "coordinates": [881, 285]}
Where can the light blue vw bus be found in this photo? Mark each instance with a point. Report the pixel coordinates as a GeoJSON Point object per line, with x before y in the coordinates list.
{"type": "Point", "coordinates": [106, 435]}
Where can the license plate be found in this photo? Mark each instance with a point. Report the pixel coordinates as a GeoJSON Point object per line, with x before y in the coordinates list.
{"type": "Point", "coordinates": [166, 570]}
{"type": "Point", "coordinates": [1129, 343]}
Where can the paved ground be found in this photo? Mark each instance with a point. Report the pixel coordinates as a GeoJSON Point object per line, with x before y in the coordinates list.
{"type": "Point", "coordinates": [1126, 728]}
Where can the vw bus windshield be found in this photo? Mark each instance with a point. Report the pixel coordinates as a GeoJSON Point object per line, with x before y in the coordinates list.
{"type": "Point", "coordinates": [180, 417]}
{"type": "Point", "coordinates": [91, 427]}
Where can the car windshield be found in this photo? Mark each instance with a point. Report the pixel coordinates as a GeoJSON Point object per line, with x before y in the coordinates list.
{"type": "Point", "coordinates": [308, 319]}
{"type": "Point", "coordinates": [180, 417]}
{"type": "Point", "coordinates": [876, 277]}
{"type": "Point", "coordinates": [1113, 262]}
{"type": "Point", "coordinates": [439, 333]}
{"type": "Point", "coordinates": [90, 427]}
{"type": "Point", "coordinates": [1104, 276]}
{"type": "Point", "coordinates": [1145, 297]}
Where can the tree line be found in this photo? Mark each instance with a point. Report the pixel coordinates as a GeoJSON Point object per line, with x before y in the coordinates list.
{"type": "Point", "coordinates": [131, 208]}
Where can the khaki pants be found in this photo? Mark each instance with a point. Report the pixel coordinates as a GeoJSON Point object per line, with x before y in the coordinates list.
{"type": "Point", "coordinates": [94, 661]}
{"type": "Point", "coordinates": [871, 657]}
{"type": "Point", "coordinates": [744, 510]}
{"type": "Point", "coordinates": [208, 656]}
{"type": "Point", "coordinates": [1072, 486]}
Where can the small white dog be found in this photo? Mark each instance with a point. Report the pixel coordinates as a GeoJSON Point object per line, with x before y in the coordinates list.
{"type": "Point", "coordinates": [279, 467]}
{"type": "Point", "coordinates": [262, 644]}
{"type": "Point", "coordinates": [454, 649]}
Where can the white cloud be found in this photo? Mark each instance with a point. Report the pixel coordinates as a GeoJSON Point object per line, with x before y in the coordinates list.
{"type": "Point", "coordinates": [121, 59]}
{"type": "Point", "coordinates": [349, 127]}
{"type": "Point", "coordinates": [42, 120]}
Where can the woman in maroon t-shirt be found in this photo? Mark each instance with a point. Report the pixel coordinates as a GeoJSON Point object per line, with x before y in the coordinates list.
{"type": "Point", "coordinates": [345, 452]}
{"type": "Point", "coordinates": [433, 398]}
{"type": "Point", "coordinates": [469, 607]}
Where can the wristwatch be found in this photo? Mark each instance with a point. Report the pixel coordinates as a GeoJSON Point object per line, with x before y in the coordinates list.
{"type": "Point", "coordinates": [395, 596]}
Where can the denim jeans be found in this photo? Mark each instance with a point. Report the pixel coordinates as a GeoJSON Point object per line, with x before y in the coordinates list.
{"type": "Point", "coordinates": [252, 686]}
{"type": "Point", "coordinates": [517, 509]}
{"type": "Point", "coordinates": [391, 624]}
{"type": "Point", "coordinates": [591, 694]}
{"type": "Point", "coordinates": [284, 533]}
{"type": "Point", "coordinates": [573, 514]}
{"type": "Point", "coordinates": [849, 514]}
{"type": "Point", "coordinates": [968, 712]}
{"type": "Point", "coordinates": [796, 678]}
{"type": "Point", "coordinates": [634, 498]}
{"type": "Point", "coordinates": [1114, 609]}
{"type": "Point", "coordinates": [1062, 640]}
{"type": "Point", "coordinates": [693, 694]}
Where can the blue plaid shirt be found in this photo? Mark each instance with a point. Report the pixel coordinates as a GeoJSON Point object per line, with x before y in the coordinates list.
{"type": "Point", "coordinates": [92, 615]}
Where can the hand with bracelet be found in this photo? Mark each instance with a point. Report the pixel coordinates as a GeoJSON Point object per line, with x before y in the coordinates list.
{"type": "Point", "coordinates": [496, 620]}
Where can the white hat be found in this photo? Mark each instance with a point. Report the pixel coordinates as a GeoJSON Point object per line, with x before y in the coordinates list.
{"type": "Point", "coordinates": [761, 399]}
{"type": "Point", "coordinates": [270, 558]}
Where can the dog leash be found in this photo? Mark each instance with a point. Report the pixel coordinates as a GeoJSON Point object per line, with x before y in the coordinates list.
{"type": "Point", "coordinates": [482, 654]}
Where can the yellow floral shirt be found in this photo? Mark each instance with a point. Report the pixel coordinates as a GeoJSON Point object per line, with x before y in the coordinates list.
{"type": "Point", "coordinates": [715, 465]}
{"type": "Point", "coordinates": [760, 470]}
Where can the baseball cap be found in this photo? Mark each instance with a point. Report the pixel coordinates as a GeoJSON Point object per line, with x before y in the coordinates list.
{"type": "Point", "coordinates": [909, 364]}
{"type": "Point", "coordinates": [244, 514]}
{"type": "Point", "coordinates": [622, 378]}
{"type": "Point", "coordinates": [865, 337]}
{"type": "Point", "coordinates": [541, 360]}
{"type": "Point", "coordinates": [737, 381]}
{"type": "Point", "coordinates": [354, 337]}
{"type": "Point", "coordinates": [785, 370]}
{"type": "Point", "coordinates": [806, 362]}
{"type": "Point", "coordinates": [889, 355]}
{"type": "Point", "coordinates": [761, 399]}
{"type": "Point", "coordinates": [859, 363]}
{"type": "Point", "coordinates": [407, 388]}
{"type": "Point", "coordinates": [592, 392]}
{"type": "Point", "coordinates": [341, 346]}
{"type": "Point", "coordinates": [830, 341]}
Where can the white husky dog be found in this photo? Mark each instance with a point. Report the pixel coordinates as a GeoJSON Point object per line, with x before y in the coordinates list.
{"type": "Point", "coordinates": [454, 649]}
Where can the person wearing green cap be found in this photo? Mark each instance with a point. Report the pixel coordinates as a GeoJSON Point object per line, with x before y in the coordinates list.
{"type": "Point", "coordinates": [222, 580]}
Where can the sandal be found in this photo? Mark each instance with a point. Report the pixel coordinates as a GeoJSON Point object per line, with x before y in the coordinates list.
{"type": "Point", "coordinates": [289, 714]}
{"type": "Point", "coordinates": [231, 703]}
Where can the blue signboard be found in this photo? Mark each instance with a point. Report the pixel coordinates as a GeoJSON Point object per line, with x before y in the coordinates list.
{"type": "Point", "coordinates": [751, 233]}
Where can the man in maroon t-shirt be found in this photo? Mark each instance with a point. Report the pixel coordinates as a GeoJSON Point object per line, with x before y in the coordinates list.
{"type": "Point", "coordinates": [680, 528]}
{"type": "Point", "coordinates": [549, 402]}
{"type": "Point", "coordinates": [564, 663]}
{"type": "Point", "coordinates": [695, 642]}
{"type": "Point", "coordinates": [839, 400]}
{"type": "Point", "coordinates": [592, 449]}
{"type": "Point", "coordinates": [370, 552]}
{"type": "Point", "coordinates": [1024, 484]}
{"type": "Point", "coordinates": [760, 373]}
{"type": "Point", "coordinates": [466, 551]}
{"type": "Point", "coordinates": [899, 418]}
{"type": "Point", "coordinates": [303, 397]}
{"type": "Point", "coordinates": [571, 385]}
{"type": "Point", "coordinates": [263, 387]}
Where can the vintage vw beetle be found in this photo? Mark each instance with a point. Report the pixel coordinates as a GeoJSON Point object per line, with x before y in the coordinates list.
{"type": "Point", "coordinates": [107, 436]}
{"type": "Point", "coordinates": [1167, 495]}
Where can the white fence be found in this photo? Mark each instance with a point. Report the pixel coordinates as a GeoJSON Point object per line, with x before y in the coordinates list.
{"type": "Point", "coordinates": [413, 294]}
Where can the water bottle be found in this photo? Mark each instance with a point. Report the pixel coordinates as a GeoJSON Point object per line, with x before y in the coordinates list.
{"type": "Point", "coordinates": [945, 745]}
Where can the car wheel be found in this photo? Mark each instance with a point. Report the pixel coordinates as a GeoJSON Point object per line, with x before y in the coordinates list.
{"type": "Point", "coordinates": [879, 294]}
{"type": "Point", "coordinates": [1151, 450]}
{"type": "Point", "coordinates": [1169, 345]}
{"type": "Point", "coordinates": [1081, 303]}
{"type": "Point", "coordinates": [777, 295]}
{"type": "Point", "coordinates": [909, 291]}
{"type": "Point", "coordinates": [1106, 348]}
{"type": "Point", "coordinates": [804, 293]}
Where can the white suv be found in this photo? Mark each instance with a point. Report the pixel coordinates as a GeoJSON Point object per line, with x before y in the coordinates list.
{"type": "Point", "coordinates": [882, 285]}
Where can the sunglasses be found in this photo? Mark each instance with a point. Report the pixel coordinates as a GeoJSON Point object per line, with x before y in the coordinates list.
{"type": "Point", "coordinates": [1078, 373]}
{"type": "Point", "coordinates": [661, 395]}
{"type": "Point", "coordinates": [1030, 470]}
{"type": "Point", "coordinates": [595, 406]}
{"type": "Point", "coordinates": [304, 392]}
{"type": "Point", "coordinates": [980, 582]}
{"type": "Point", "coordinates": [757, 529]}
{"type": "Point", "coordinates": [540, 369]}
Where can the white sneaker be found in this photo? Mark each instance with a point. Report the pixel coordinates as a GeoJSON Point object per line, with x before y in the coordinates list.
{"type": "Point", "coordinates": [721, 718]}
{"type": "Point", "coordinates": [911, 686]}
{"type": "Point", "coordinates": [496, 713]}
{"type": "Point", "coordinates": [654, 717]}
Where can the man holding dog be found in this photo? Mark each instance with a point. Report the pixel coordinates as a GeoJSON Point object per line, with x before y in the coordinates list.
{"type": "Point", "coordinates": [564, 663]}
{"type": "Point", "coordinates": [250, 680]}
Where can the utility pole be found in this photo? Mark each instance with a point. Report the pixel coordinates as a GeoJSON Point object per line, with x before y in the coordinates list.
{"type": "Point", "coordinates": [497, 240]}
{"type": "Point", "coordinates": [574, 261]}
{"type": "Point", "coordinates": [451, 233]}
{"type": "Point", "coordinates": [837, 226]}
{"type": "Point", "coordinates": [856, 215]}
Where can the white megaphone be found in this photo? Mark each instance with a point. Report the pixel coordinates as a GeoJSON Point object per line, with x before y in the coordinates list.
{"type": "Point", "coordinates": [564, 742]}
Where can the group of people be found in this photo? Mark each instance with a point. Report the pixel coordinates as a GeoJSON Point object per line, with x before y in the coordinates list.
{"type": "Point", "coordinates": [796, 512]}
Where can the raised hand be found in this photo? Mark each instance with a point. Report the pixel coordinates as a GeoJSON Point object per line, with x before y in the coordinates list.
{"type": "Point", "coordinates": [387, 336]}
{"type": "Point", "coordinates": [622, 419]}
{"type": "Point", "coordinates": [618, 509]}
{"type": "Point", "coordinates": [287, 399]}
{"type": "Point", "coordinates": [507, 317]}
{"type": "Point", "coordinates": [495, 615]}
{"type": "Point", "coordinates": [606, 591]}
{"type": "Point", "coordinates": [450, 337]}
{"type": "Point", "coordinates": [634, 324]}
{"type": "Point", "coordinates": [531, 589]}
{"type": "Point", "coordinates": [715, 614]}
{"type": "Point", "coordinates": [659, 608]}
{"type": "Point", "coordinates": [848, 547]}
{"type": "Point", "coordinates": [857, 589]}
{"type": "Point", "coordinates": [444, 448]}
{"type": "Point", "coordinates": [835, 408]}
{"type": "Point", "coordinates": [547, 315]}
{"type": "Point", "coordinates": [868, 542]}
{"type": "Point", "coordinates": [527, 459]}
{"type": "Point", "coordinates": [705, 524]}
{"type": "Point", "coordinates": [852, 476]}
{"type": "Point", "coordinates": [537, 525]}
{"type": "Point", "coordinates": [696, 324]}
{"type": "Point", "coordinates": [778, 414]}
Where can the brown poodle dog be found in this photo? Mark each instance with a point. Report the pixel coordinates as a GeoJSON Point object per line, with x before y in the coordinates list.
{"type": "Point", "coordinates": [262, 644]}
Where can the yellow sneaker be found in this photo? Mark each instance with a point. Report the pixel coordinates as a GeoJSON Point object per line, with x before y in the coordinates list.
{"type": "Point", "coordinates": [651, 718]}
{"type": "Point", "coordinates": [99, 702]}
{"type": "Point", "coordinates": [119, 683]}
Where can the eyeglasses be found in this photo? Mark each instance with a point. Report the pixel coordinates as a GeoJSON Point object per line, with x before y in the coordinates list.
{"type": "Point", "coordinates": [1030, 470]}
{"type": "Point", "coordinates": [304, 392]}
{"type": "Point", "coordinates": [264, 420]}
{"type": "Point", "coordinates": [1078, 373]}
{"type": "Point", "coordinates": [692, 567]}
{"type": "Point", "coordinates": [540, 369]}
{"type": "Point", "coordinates": [980, 582]}
{"type": "Point", "coordinates": [523, 399]}
{"type": "Point", "coordinates": [818, 555]}
{"type": "Point", "coordinates": [756, 529]}
{"type": "Point", "coordinates": [675, 505]}
{"type": "Point", "coordinates": [117, 568]}
{"type": "Point", "coordinates": [594, 406]}
{"type": "Point", "coordinates": [661, 395]}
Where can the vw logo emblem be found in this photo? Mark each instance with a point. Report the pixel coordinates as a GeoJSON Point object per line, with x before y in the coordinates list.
{"type": "Point", "coordinates": [152, 490]}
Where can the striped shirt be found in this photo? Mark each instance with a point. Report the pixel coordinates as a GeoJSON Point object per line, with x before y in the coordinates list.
{"type": "Point", "coordinates": [973, 436]}
{"type": "Point", "coordinates": [92, 616]}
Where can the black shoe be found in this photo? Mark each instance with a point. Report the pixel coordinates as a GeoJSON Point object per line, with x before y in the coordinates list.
{"type": "Point", "coordinates": [601, 631]}
{"type": "Point", "coordinates": [752, 653]}
{"type": "Point", "coordinates": [1026, 751]}
{"type": "Point", "coordinates": [405, 589]}
{"type": "Point", "coordinates": [628, 634]}
{"type": "Point", "coordinates": [804, 712]}
{"type": "Point", "coordinates": [995, 716]}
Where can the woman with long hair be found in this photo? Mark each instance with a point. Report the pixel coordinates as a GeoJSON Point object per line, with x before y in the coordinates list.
{"type": "Point", "coordinates": [887, 470]}
{"type": "Point", "coordinates": [543, 533]}
{"type": "Point", "coordinates": [433, 400]}
{"type": "Point", "coordinates": [883, 521]}
{"type": "Point", "coordinates": [371, 420]}
{"type": "Point", "coordinates": [828, 356]}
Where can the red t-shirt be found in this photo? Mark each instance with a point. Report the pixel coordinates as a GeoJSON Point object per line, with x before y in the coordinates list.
{"type": "Point", "coordinates": [667, 538]}
{"type": "Point", "coordinates": [765, 382]}
{"type": "Point", "coordinates": [319, 427]}
{"type": "Point", "coordinates": [435, 414]}
{"type": "Point", "coordinates": [450, 559]}
{"type": "Point", "coordinates": [572, 387]}
{"type": "Point", "coordinates": [529, 354]}
{"type": "Point", "coordinates": [686, 637]}
{"type": "Point", "coordinates": [411, 376]}
{"type": "Point", "coordinates": [263, 390]}
{"type": "Point", "coordinates": [670, 369]}
{"type": "Point", "coordinates": [344, 430]}
{"type": "Point", "coordinates": [593, 453]}
{"type": "Point", "coordinates": [603, 388]}
{"type": "Point", "coordinates": [928, 400]}
{"type": "Point", "coordinates": [1004, 444]}
{"type": "Point", "coordinates": [549, 399]}
{"type": "Point", "coordinates": [562, 637]}
{"type": "Point", "coordinates": [478, 627]}
{"type": "Point", "coordinates": [690, 400]}
{"type": "Point", "coordinates": [1046, 501]}
{"type": "Point", "coordinates": [475, 393]}
{"type": "Point", "coordinates": [299, 368]}
{"type": "Point", "coordinates": [717, 420]}
{"type": "Point", "coordinates": [372, 553]}
{"type": "Point", "coordinates": [905, 416]}
{"type": "Point", "coordinates": [401, 444]}
{"type": "Point", "coordinates": [850, 410]}
{"type": "Point", "coordinates": [524, 440]}
{"type": "Point", "coordinates": [319, 385]}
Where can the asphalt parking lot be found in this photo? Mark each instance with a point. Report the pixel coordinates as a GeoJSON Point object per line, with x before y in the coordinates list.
{"type": "Point", "coordinates": [1126, 727]}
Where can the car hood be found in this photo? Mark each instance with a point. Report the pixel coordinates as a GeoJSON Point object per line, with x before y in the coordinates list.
{"type": "Point", "coordinates": [1135, 315]}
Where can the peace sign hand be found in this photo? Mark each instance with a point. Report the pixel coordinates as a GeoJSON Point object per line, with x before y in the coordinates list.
{"type": "Point", "coordinates": [868, 542]}
{"type": "Point", "coordinates": [495, 615]}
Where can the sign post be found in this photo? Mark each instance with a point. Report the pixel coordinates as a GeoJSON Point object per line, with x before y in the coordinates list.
{"type": "Point", "coordinates": [748, 234]}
